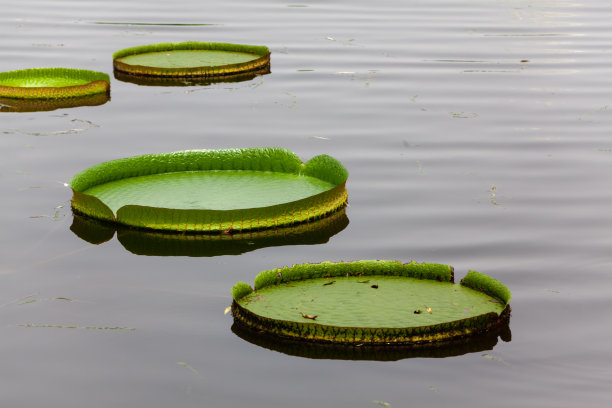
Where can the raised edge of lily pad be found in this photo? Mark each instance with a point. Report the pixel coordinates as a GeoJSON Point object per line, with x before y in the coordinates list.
{"type": "Point", "coordinates": [52, 83]}
{"type": "Point", "coordinates": [191, 59]}
{"type": "Point", "coordinates": [182, 182]}
{"type": "Point", "coordinates": [163, 243]}
{"type": "Point", "coordinates": [371, 302]}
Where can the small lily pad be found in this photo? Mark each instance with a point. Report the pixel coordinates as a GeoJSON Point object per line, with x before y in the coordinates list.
{"type": "Point", "coordinates": [191, 59]}
{"type": "Point", "coordinates": [350, 312]}
{"type": "Point", "coordinates": [52, 84]}
{"type": "Point", "coordinates": [211, 191]}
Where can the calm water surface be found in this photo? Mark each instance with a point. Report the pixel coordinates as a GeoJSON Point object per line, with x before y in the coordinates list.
{"type": "Point", "coordinates": [475, 133]}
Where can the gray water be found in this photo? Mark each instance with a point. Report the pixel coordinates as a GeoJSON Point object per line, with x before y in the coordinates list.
{"type": "Point", "coordinates": [476, 133]}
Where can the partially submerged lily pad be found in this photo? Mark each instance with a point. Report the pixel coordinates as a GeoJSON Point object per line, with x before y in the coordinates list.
{"type": "Point", "coordinates": [191, 59]}
{"type": "Point", "coordinates": [371, 302]}
{"type": "Point", "coordinates": [52, 83]}
{"type": "Point", "coordinates": [162, 243]}
{"type": "Point", "coordinates": [211, 191]}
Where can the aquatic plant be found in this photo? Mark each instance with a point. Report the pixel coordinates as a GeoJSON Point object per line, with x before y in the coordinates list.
{"type": "Point", "coordinates": [213, 191]}
{"type": "Point", "coordinates": [52, 83]}
{"type": "Point", "coordinates": [191, 59]}
{"type": "Point", "coordinates": [370, 302]}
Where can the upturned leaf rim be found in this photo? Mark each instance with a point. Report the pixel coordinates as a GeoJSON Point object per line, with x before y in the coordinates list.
{"type": "Point", "coordinates": [312, 331]}
{"type": "Point", "coordinates": [207, 71]}
{"type": "Point", "coordinates": [98, 83]}
{"type": "Point", "coordinates": [273, 159]}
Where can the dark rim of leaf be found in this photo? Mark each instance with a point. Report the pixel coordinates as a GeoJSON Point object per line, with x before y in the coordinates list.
{"type": "Point", "coordinates": [373, 351]}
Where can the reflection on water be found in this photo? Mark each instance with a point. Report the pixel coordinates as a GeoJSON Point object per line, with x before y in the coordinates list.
{"type": "Point", "coordinates": [189, 81]}
{"type": "Point", "coordinates": [40, 105]}
{"type": "Point", "coordinates": [427, 103]}
{"type": "Point", "coordinates": [142, 242]}
{"type": "Point", "coordinates": [471, 344]}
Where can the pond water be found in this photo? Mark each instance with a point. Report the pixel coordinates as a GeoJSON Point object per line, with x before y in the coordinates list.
{"type": "Point", "coordinates": [476, 134]}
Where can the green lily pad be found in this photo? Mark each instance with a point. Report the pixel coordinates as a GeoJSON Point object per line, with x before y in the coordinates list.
{"type": "Point", "coordinates": [52, 83]}
{"type": "Point", "coordinates": [371, 302]}
{"type": "Point", "coordinates": [191, 59]}
{"type": "Point", "coordinates": [211, 191]}
{"type": "Point", "coordinates": [159, 243]}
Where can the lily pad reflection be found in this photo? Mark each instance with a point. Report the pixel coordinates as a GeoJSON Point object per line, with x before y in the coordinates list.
{"type": "Point", "coordinates": [142, 242]}
{"type": "Point", "coordinates": [42, 105]}
{"type": "Point", "coordinates": [385, 352]}
{"type": "Point", "coordinates": [189, 81]}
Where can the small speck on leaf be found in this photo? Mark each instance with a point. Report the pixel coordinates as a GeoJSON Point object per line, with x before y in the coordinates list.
{"type": "Point", "coordinates": [364, 281]}
{"type": "Point", "coordinates": [418, 311]}
{"type": "Point", "coordinates": [307, 316]}
{"type": "Point", "coordinates": [374, 286]}
{"type": "Point", "coordinates": [329, 283]}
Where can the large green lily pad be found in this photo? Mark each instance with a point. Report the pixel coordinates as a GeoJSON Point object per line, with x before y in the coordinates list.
{"type": "Point", "coordinates": [371, 302]}
{"type": "Point", "coordinates": [228, 190]}
{"type": "Point", "coordinates": [52, 83]}
{"type": "Point", "coordinates": [162, 243]}
{"type": "Point", "coordinates": [191, 59]}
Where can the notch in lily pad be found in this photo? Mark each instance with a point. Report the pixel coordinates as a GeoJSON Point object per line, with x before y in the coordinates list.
{"type": "Point", "coordinates": [52, 84]}
{"type": "Point", "coordinates": [349, 312]}
{"type": "Point", "coordinates": [211, 191]}
{"type": "Point", "coordinates": [191, 60]}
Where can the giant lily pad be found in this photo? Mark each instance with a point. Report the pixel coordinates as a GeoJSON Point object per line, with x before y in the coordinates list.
{"type": "Point", "coordinates": [52, 83]}
{"type": "Point", "coordinates": [211, 191]}
{"type": "Point", "coordinates": [371, 302]}
{"type": "Point", "coordinates": [162, 243]}
{"type": "Point", "coordinates": [191, 59]}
